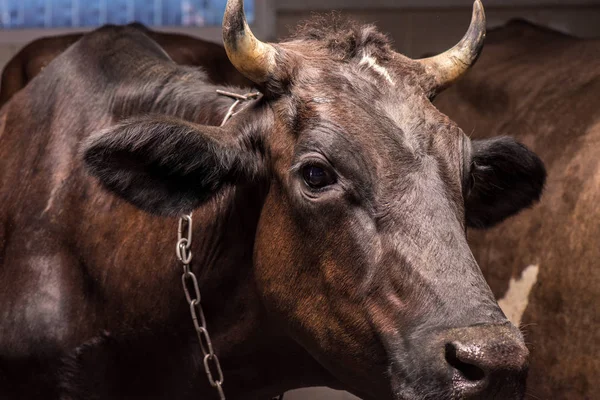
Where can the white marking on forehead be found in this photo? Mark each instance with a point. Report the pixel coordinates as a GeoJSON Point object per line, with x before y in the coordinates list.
{"type": "Point", "coordinates": [372, 63]}
{"type": "Point", "coordinates": [516, 298]}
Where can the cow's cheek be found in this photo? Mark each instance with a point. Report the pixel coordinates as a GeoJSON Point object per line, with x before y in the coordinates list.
{"type": "Point", "coordinates": [282, 281]}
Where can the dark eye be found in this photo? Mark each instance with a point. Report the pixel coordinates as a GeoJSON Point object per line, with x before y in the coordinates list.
{"type": "Point", "coordinates": [317, 177]}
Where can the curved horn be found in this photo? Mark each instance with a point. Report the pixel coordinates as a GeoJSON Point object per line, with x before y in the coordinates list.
{"type": "Point", "coordinates": [250, 56]}
{"type": "Point", "coordinates": [450, 65]}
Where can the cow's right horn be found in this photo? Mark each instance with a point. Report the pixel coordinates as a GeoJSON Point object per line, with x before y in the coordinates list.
{"type": "Point", "coordinates": [253, 58]}
{"type": "Point", "coordinates": [451, 65]}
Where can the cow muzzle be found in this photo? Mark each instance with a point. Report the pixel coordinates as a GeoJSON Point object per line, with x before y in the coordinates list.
{"type": "Point", "coordinates": [486, 362]}
{"type": "Point", "coordinates": [476, 362]}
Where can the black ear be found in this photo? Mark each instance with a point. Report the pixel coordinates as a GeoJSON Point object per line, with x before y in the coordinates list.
{"type": "Point", "coordinates": [168, 166]}
{"type": "Point", "coordinates": [506, 177]}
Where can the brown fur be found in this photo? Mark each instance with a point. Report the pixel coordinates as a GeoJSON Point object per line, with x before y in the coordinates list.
{"type": "Point", "coordinates": [183, 49]}
{"type": "Point", "coordinates": [542, 87]}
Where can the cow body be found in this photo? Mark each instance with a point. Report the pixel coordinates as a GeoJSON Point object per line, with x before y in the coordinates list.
{"type": "Point", "coordinates": [542, 87]}
{"type": "Point", "coordinates": [183, 49]}
{"type": "Point", "coordinates": [67, 275]}
{"type": "Point", "coordinates": [325, 256]}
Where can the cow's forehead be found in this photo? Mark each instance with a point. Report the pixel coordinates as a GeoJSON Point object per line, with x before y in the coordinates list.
{"type": "Point", "coordinates": [331, 47]}
{"type": "Point", "coordinates": [363, 71]}
{"type": "Point", "coordinates": [367, 102]}
{"type": "Point", "coordinates": [368, 98]}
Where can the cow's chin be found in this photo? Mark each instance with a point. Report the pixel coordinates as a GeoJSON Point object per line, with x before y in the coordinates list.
{"type": "Point", "coordinates": [454, 391]}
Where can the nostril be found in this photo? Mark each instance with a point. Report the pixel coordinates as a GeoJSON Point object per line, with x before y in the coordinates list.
{"type": "Point", "coordinates": [469, 371]}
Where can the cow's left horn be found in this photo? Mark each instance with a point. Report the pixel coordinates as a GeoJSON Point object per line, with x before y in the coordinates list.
{"type": "Point", "coordinates": [449, 66]}
{"type": "Point", "coordinates": [253, 58]}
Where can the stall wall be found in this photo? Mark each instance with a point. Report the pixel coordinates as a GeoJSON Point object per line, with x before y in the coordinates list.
{"type": "Point", "coordinates": [419, 26]}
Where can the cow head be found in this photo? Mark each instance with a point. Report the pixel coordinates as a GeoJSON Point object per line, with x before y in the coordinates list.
{"type": "Point", "coordinates": [360, 249]}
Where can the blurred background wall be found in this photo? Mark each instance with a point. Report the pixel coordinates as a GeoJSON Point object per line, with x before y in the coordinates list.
{"type": "Point", "coordinates": [416, 26]}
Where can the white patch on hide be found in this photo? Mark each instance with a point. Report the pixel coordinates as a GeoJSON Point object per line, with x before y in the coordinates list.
{"type": "Point", "coordinates": [62, 169]}
{"type": "Point", "coordinates": [50, 202]}
{"type": "Point", "coordinates": [372, 63]}
{"type": "Point", "coordinates": [516, 298]}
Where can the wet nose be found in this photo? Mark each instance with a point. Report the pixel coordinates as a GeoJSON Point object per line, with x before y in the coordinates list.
{"type": "Point", "coordinates": [488, 362]}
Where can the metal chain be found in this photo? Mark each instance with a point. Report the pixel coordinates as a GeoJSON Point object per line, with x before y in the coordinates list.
{"type": "Point", "coordinates": [189, 281]}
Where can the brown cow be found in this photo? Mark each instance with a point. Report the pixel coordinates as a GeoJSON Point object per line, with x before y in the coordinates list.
{"type": "Point", "coordinates": [329, 225]}
{"type": "Point", "coordinates": [542, 87]}
{"type": "Point", "coordinates": [183, 49]}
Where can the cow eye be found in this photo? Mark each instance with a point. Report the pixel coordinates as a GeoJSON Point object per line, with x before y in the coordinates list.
{"type": "Point", "coordinates": [317, 177]}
